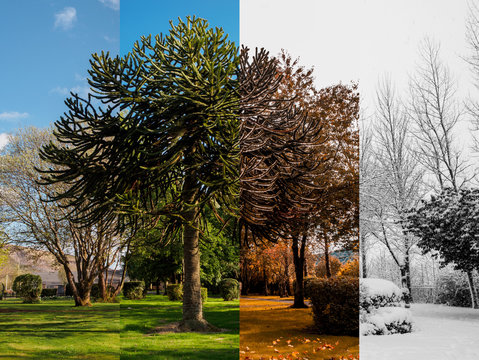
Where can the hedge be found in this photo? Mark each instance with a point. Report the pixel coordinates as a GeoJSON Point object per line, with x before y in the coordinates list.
{"type": "Point", "coordinates": [229, 289]}
{"type": "Point", "coordinates": [335, 305]}
{"type": "Point", "coordinates": [48, 293]}
{"type": "Point", "coordinates": [175, 292]}
{"type": "Point", "coordinates": [28, 287]}
{"type": "Point", "coordinates": [133, 290]}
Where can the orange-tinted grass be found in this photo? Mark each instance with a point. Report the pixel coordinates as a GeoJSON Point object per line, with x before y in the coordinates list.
{"type": "Point", "coordinates": [272, 330]}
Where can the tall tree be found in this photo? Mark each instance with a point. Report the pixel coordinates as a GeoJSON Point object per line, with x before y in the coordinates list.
{"type": "Point", "coordinates": [166, 146]}
{"type": "Point", "coordinates": [294, 145]}
{"type": "Point", "coordinates": [44, 225]}
{"type": "Point", "coordinates": [399, 178]}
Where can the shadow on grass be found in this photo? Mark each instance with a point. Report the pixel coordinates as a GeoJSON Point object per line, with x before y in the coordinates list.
{"type": "Point", "coordinates": [183, 354]}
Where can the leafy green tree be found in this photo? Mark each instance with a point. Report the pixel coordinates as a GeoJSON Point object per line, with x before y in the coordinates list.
{"type": "Point", "coordinates": [163, 148]}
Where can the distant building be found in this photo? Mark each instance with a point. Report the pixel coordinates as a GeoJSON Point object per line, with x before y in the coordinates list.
{"type": "Point", "coordinates": [23, 260]}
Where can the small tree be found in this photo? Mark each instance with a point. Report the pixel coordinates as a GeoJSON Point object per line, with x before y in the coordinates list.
{"type": "Point", "coordinates": [28, 287]}
{"type": "Point", "coordinates": [448, 224]}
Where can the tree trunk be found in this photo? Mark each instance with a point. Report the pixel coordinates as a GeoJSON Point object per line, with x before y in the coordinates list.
{"type": "Point", "coordinates": [403, 271]}
{"type": "Point", "coordinates": [102, 286]}
{"type": "Point", "coordinates": [298, 260]}
{"type": "Point", "coordinates": [157, 286]}
{"type": "Point", "coordinates": [326, 257]}
{"type": "Point", "coordinates": [362, 247]}
{"type": "Point", "coordinates": [472, 289]}
{"type": "Point", "coordinates": [407, 265]}
{"type": "Point", "coordinates": [192, 303]}
{"type": "Point", "coordinates": [266, 290]}
{"type": "Point", "coordinates": [80, 295]}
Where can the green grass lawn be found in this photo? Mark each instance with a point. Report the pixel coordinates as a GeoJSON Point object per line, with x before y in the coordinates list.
{"type": "Point", "coordinates": [139, 317]}
{"type": "Point", "coordinates": [54, 329]}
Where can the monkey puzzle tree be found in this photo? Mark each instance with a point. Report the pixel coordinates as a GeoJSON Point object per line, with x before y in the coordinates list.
{"type": "Point", "coordinates": [164, 147]}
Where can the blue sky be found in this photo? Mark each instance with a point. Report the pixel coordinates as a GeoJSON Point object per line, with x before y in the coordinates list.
{"type": "Point", "coordinates": [153, 17]}
{"type": "Point", "coordinates": [46, 46]}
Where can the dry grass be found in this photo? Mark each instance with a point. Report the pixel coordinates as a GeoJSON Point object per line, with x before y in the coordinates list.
{"type": "Point", "coordinates": [270, 329]}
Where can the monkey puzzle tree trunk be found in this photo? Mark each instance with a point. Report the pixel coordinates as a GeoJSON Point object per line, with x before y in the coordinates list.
{"type": "Point", "coordinates": [298, 260]}
{"type": "Point", "coordinates": [192, 303]}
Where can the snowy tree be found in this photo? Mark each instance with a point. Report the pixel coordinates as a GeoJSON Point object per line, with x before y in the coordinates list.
{"type": "Point", "coordinates": [449, 225]}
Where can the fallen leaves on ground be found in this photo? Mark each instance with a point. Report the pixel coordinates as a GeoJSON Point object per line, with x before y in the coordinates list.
{"type": "Point", "coordinates": [273, 331]}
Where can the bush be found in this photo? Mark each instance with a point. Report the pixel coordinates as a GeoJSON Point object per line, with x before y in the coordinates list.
{"type": "Point", "coordinates": [133, 290]}
{"type": "Point", "coordinates": [350, 269]}
{"type": "Point", "coordinates": [2, 290]}
{"type": "Point", "coordinates": [306, 286]}
{"type": "Point", "coordinates": [48, 293]}
{"type": "Point", "coordinates": [335, 305]}
{"type": "Point", "coordinates": [174, 292]}
{"type": "Point", "coordinates": [376, 293]}
{"type": "Point", "coordinates": [334, 265]}
{"type": "Point", "coordinates": [204, 295]}
{"type": "Point", "coordinates": [229, 289]}
{"type": "Point", "coordinates": [28, 287]}
{"type": "Point", "coordinates": [381, 308]}
{"type": "Point", "coordinates": [453, 290]}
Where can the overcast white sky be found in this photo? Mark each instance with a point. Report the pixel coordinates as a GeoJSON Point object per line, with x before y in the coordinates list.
{"type": "Point", "coordinates": [359, 40]}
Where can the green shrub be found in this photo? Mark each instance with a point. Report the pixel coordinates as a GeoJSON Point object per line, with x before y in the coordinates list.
{"type": "Point", "coordinates": [204, 295]}
{"type": "Point", "coordinates": [2, 290]}
{"type": "Point", "coordinates": [229, 289]}
{"type": "Point", "coordinates": [28, 287]}
{"type": "Point", "coordinates": [48, 293]}
{"type": "Point", "coordinates": [174, 292]}
{"type": "Point", "coordinates": [133, 290]}
{"type": "Point", "coordinates": [335, 305]}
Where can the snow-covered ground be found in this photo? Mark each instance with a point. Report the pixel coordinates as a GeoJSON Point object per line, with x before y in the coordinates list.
{"type": "Point", "coordinates": [441, 333]}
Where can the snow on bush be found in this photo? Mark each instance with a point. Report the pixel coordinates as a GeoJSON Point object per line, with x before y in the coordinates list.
{"type": "Point", "coordinates": [381, 308]}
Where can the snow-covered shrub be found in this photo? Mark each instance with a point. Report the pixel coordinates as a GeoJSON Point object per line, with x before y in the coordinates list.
{"type": "Point", "coordinates": [335, 305]}
{"type": "Point", "coordinates": [377, 293]}
{"type": "Point", "coordinates": [381, 308]}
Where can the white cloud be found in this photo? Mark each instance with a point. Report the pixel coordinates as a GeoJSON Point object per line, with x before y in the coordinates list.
{"type": "Point", "coordinates": [65, 18]}
{"type": "Point", "coordinates": [109, 39]}
{"type": "Point", "coordinates": [12, 115]}
{"type": "Point", "coordinates": [3, 140]}
{"type": "Point", "coordinates": [113, 4]}
{"type": "Point", "coordinates": [81, 90]}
